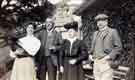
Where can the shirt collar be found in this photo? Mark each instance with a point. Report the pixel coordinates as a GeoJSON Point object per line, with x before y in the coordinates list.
{"type": "Point", "coordinates": [105, 28]}
{"type": "Point", "coordinates": [30, 36]}
{"type": "Point", "coordinates": [50, 30]}
{"type": "Point", "coordinates": [73, 39]}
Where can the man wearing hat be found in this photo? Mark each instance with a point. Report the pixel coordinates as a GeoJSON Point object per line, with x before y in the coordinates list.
{"type": "Point", "coordinates": [48, 54]}
{"type": "Point", "coordinates": [106, 45]}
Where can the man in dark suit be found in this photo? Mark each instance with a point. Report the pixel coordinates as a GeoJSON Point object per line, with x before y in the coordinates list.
{"type": "Point", "coordinates": [106, 45]}
{"type": "Point", "coordinates": [48, 55]}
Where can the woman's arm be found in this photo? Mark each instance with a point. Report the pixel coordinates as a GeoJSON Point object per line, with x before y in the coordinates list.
{"type": "Point", "coordinates": [83, 52]}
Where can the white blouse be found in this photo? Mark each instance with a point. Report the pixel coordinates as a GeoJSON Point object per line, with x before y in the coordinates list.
{"type": "Point", "coordinates": [30, 44]}
{"type": "Point", "coordinates": [71, 42]}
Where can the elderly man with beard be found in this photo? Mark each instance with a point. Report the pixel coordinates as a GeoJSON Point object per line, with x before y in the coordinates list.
{"type": "Point", "coordinates": [48, 55]}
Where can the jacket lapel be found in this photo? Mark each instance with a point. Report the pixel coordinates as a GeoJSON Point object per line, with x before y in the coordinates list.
{"type": "Point", "coordinates": [96, 35]}
{"type": "Point", "coordinates": [94, 40]}
{"type": "Point", "coordinates": [44, 37]}
{"type": "Point", "coordinates": [106, 33]}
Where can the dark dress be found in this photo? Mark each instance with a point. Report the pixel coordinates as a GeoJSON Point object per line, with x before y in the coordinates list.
{"type": "Point", "coordinates": [78, 52]}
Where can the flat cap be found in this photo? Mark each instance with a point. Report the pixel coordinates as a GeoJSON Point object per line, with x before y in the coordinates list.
{"type": "Point", "coordinates": [101, 17]}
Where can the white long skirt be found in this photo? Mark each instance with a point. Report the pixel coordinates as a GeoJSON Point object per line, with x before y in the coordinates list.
{"type": "Point", "coordinates": [23, 69]}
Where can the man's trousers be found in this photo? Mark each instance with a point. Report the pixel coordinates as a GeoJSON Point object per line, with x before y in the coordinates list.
{"type": "Point", "coordinates": [49, 67]}
{"type": "Point", "coordinates": [102, 70]}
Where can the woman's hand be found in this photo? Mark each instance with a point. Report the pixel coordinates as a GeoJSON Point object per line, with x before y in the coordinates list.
{"type": "Point", "coordinates": [61, 69]}
{"type": "Point", "coordinates": [73, 61]}
{"type": "Point", "coordinates": [12, 54]}
{"type": "Point", "coordinates": [19, 51]}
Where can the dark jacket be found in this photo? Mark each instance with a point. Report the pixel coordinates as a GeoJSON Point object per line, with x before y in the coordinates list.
{"type": "Point", "coordinates": [42, 52]}
{"type": "Point", "coordinates": [111, 42]}
{"type": "Point", "coordinates": [78, 51]}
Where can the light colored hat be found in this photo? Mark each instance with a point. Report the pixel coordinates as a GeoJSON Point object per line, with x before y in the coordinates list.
{"type": "Point", "coordinates": [101, 16]}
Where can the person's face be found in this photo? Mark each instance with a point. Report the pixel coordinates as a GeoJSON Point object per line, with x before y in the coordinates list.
{"type": "Point", "coordinates": [30, 29]}
{"type": "Point", "coordinates": [71, 33]}
{"type": "Point", "coordinates": [49, 24]}
{"type": "Point", "coordinates": [102, 23]}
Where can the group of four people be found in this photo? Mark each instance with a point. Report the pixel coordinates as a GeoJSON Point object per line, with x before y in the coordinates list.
{"type": "Point", "coordinates": [51, 53]}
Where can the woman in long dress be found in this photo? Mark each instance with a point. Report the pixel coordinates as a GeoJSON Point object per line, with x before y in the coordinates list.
{"type": "Point", "coordinates": [74, 51]}
{"type": "Point", "coordinates": [26, 48]}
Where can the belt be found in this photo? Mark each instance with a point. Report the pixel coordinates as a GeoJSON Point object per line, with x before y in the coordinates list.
{"type": "Point", "coordinates": [24, 55]}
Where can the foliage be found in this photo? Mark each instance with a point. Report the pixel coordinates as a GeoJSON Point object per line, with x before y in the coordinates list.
{"type": "Point", "coordinates": [122, 18]}
{"type": "Point", "coordinates": [14, 13]}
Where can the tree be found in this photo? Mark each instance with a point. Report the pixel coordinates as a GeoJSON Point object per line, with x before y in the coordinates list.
{"type": "Point", "coordinates": [13, 13]}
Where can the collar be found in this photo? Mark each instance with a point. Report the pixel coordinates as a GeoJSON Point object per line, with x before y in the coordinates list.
{"type": "Point", "coordinates": [30, 36]}
{"type": "Point", "coordinates": [72, 39]}
{"type": "Point", "coordinates": [105, 28]}
{"type": "Point", "coordinates": [50, 30]}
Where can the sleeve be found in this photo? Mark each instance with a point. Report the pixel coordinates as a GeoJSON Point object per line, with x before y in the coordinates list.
{"type": "Point", "coordinates": [92, 42]}
{"type": "Point", "coordinates": [61, 53]}
{"type": "Point", "coordinates": [83, 52]}
{"type": "Point", "coordinates": [58, 41]}
{"type": "Point", "coordinates": [38, 35]}
{"type": "Point", "coordinates": [15, 48]}
{"type": "Point", "coordinates": [117, 45]}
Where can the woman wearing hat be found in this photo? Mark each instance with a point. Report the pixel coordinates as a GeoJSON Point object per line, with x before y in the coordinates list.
{"type": "Point", "coordinates": [74, 51]}
{"type": "Point", "coordinates": [23, 52]}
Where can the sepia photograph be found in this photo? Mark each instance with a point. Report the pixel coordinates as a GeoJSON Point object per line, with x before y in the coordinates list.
{"type": "Point", "coordinates": [67, 39]}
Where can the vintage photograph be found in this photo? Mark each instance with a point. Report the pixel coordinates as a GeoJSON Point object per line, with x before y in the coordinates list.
{"type": "Point", "coordinates": [67, 39]}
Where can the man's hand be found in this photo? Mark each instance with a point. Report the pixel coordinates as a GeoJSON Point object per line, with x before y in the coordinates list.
{"type": "Point", "coordinates": [107, 57]}
{"type": "Point", "coordinates": [73, 61]}
{"type": "Point", "coordinates": [52, 48]}
{"type": "Point", "coordinates": [61, 69]}
{"type": "Point", "coordinates": [91, 58]}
